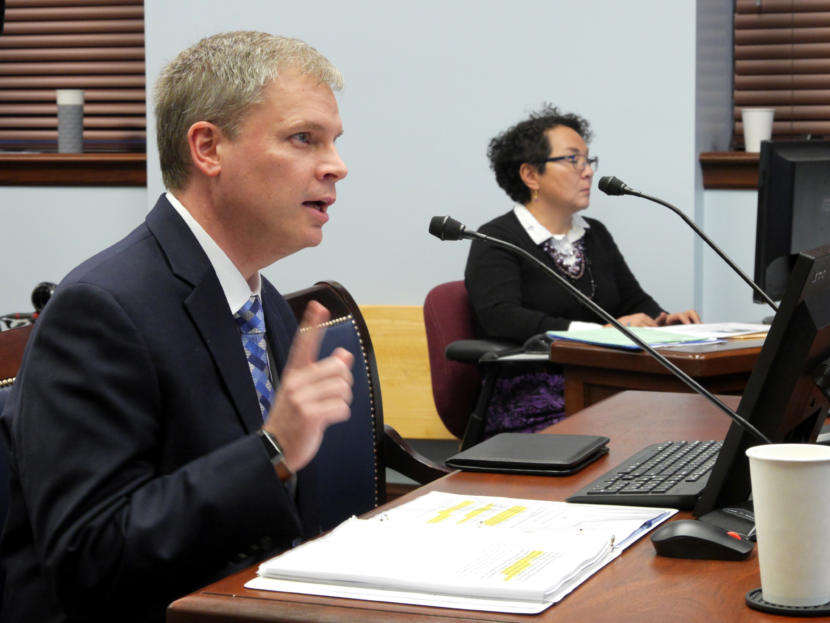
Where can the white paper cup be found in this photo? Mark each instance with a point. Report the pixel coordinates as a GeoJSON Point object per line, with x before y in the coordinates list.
{"type": "Point", "coordinates": [70, 121]}
{"type": "Point", "coordinates": [757, 126]}
{"type": "Point", "coordinates": [791, 497]}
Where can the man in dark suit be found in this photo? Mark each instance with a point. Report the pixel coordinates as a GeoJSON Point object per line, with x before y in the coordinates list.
{"type": "Point", "coordinates": [153, 446]}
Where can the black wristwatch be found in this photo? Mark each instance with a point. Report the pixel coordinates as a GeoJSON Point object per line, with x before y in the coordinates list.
{"type": "Point", "coordinates": [275, 454]}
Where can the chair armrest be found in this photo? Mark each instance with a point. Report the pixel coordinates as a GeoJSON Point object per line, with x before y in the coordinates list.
{"type": "Point", "coordinates": [401, 457]}
{"type": "Point", "coordinates": [470, 351]}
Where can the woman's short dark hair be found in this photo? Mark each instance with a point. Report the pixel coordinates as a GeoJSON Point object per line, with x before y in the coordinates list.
{"type": "Point", "coordinates": [527, 142]}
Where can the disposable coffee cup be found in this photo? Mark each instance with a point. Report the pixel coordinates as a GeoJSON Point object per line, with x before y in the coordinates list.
{"type": "Point", "coordinates": [757, 124]}
{"type": "Point", "coordinates": [791, 498]}
{"type": "Point", "coordinates": [70, 121]}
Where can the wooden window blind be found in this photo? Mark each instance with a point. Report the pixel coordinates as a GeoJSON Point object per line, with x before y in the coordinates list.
{"type": "Point", "coordinates": [93, 45]}
{"type": "Point", "coordinates": [782, 61]}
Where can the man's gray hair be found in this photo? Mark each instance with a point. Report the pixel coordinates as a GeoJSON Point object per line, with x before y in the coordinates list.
{"type": "Point", "coordinates": [217, 80]}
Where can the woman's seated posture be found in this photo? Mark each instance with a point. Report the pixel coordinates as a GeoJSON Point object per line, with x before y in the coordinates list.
{"type": "Point", "coordinates": [543, 165]}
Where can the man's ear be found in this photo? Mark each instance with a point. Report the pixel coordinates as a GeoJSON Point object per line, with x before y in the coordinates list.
{"type": "Point", "coordinates": [529, 175]}
{"type": "Point", "coordinates": [203, 139]}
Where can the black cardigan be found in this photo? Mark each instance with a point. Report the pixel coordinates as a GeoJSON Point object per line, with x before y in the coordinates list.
{"type": "Point", "coordinates": [514, 299]}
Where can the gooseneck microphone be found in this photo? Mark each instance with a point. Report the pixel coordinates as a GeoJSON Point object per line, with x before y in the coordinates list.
{"type": "Point", "coordinates": [613, 186]}
{"type": "Point", "coordinates": [447, 228]}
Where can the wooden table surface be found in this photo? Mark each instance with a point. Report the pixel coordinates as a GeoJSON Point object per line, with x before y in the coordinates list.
{"type": "Point", "coordinates": [638, 586]}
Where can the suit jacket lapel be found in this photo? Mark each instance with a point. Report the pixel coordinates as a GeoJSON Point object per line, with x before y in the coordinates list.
{"type": "Point", "coordinates": [207, 307]}
{"type": "Point", "coordinates": [280, 324]}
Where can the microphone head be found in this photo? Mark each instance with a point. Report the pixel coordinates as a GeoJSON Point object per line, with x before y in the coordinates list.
{"type": "Point", "coordinates": [613, 186]}
{"type": "Point", "coordinates": [41, 294]}
{"type": "Point", "coordinates": [446, 228]}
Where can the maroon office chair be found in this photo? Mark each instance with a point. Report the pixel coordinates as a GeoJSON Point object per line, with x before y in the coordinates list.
{"type": "Point", "coordinates": [461, 367]}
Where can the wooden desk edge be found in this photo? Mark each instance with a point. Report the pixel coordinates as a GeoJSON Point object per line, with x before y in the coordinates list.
{"type": "Point", "coordinates": [731, 357]}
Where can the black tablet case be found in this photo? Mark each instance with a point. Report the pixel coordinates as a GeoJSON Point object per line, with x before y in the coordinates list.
{"type": "Point", "coordinates": [531, 453]}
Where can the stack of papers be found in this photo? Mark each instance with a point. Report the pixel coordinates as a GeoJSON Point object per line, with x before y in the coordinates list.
{"type": "Point", "coordinates": [471, 552]}
{"type": "Point", "coordinates": [657, 337]}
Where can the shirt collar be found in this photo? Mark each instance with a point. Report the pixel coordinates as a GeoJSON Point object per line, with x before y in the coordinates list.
{"type": "Point", "coordinates": [539, 233]}
{"type": "Point", "coordinates": [234, 286]}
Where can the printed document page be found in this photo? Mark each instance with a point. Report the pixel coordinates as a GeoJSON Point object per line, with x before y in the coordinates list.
{"type": "Point", "coordinates": [720, 330]}
{"type": "Point", "coordinates": [475, 552]}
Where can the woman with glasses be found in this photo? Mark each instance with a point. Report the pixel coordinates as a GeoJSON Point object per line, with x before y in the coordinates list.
{"type": "Point", "coordinates": [544, 166]}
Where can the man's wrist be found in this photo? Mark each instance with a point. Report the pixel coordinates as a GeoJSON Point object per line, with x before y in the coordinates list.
{"type": "Point", "coordinates": [275, 454]}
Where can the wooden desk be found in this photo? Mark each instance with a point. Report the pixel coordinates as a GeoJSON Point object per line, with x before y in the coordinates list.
{"type": "Point", "coordinates": [638, 586]}
{"type": "Point", "coordinates": [593, 373]}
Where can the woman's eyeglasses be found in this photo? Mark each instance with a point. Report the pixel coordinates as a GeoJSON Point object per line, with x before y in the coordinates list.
{"type": "Point", "coordinates": [578, 161]}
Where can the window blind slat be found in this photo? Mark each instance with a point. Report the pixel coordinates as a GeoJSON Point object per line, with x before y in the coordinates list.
{"type": "Point", "coordinates": [777, 98]}
{"type": "Point", "coordinates": [776, 82]}
{"type": "Point", "coordinates": [72, 68]}
{"type": "Point", "coordinates": [781, 6]}
{"type": "Point", "coordinates": [16, 4]}
{"type": "Point", "coordinates": [91, 123]}
{"type": "Point", "coordinates": [22, 112]}
{"type": "Point", "coordinates": [783, 51]}
{"type": "Point", "coordinates": [47, 136]}
{"type": "Point", "coordinates": [776, 66]}
{"type": "Point", "coordinates": [73, 54]}
{"type": "Point", "coordinates": [125, 94]}
{"type": "Point", "coordinates": [768, 36]}
{"type": "Point", "coordinates": [70, 82]}
{"type": "Point", "coordinates": [796, 129]}
{"type": "Point", "coordinates": [93, 40]}
{"type": "Point", "coordinates": [797, 113]}
{"type": "Point", "coordinates": [41, 28]}
{"type": "Point", "coordinates": [75, 13]}
{"type": "Point", "coordinates": [778, 20]}
{"type": "Point", "coordinates": [93, 45]}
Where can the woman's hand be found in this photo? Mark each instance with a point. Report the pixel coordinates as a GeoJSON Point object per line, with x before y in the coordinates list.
{"type": "Point", "coordinates": [636, 320]}
{"type": "Point", "coordinates": [687, 317]}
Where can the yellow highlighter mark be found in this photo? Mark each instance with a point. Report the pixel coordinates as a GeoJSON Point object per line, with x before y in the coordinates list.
{"type": "Point", "coordinates": [447, 512]}
{"type": "Point", "coordinates": [506, 514]}
{"type": "Point", "coordinates": [475, 513]}
{"type": "Point", "coordinates": [520, 565]}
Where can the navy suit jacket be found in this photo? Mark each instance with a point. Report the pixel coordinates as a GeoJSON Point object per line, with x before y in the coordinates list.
{"type": "Point", "coordinates": [137, 476]}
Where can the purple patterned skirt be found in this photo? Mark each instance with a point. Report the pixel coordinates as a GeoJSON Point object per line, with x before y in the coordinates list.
{"type": "Point", "coordinates": [526, 400]}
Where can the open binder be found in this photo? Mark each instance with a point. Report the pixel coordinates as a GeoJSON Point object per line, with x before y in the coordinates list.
{"type": "Point", "coordinates": [459, 551]}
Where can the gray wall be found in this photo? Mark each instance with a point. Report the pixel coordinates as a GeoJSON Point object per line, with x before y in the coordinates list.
{"type": "Point", "coordinates": [44, 232]}
{"type": "Point", "coordinates": [427, 85]}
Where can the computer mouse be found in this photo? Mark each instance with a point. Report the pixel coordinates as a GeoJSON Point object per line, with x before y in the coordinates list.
{"type": "Point", "coordinates": [539, 343]}
{"type": "Point", "coordinates": [690, 538]}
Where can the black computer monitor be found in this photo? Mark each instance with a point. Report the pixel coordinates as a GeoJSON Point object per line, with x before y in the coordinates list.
{"type": "Point", "coordinates": [783, 398]}
{"type": "Point", "coordinates": [793, 209]}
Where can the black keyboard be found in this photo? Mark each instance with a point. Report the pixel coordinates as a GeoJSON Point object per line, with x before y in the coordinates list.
{"type": "Point", "coordinates": [671, 474]}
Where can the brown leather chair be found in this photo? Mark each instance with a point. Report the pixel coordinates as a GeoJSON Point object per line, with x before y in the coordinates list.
{"type": "Point", "coordinates": [12, 344]}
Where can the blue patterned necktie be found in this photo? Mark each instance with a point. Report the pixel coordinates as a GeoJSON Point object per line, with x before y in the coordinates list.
{"type": "Point", "coordinates": [251, 323]}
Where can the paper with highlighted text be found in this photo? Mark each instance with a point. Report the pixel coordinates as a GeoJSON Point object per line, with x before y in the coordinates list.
{"type": "Point", "coordinates": [472, 552]}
